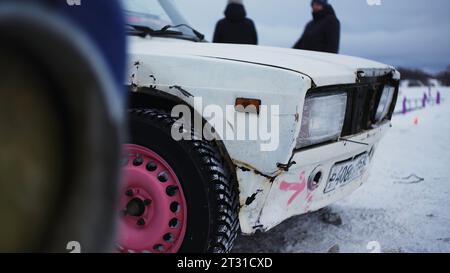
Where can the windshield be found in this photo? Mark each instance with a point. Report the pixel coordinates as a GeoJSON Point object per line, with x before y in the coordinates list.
{"type": "Point", "coordinates": [155, 14]}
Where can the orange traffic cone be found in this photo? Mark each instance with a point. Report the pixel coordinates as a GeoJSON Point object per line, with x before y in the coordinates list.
{"type": "Point", "coordinates": [416, 121]}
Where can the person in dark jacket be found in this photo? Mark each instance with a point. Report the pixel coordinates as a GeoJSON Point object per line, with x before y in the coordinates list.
{"type": "Point", "coordinates": [323, 32]}
{"type": "Point", "coordinates": [235, 28]}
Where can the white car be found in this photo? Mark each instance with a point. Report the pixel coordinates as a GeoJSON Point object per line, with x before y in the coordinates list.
{"type": "Point", "coordinates": [328, 113]}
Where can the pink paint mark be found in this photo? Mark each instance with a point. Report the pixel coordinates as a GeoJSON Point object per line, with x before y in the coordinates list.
{"type": "Point", "coordinates": [309, 199]}
{"type": "Point", "coordinates": [298, 187]}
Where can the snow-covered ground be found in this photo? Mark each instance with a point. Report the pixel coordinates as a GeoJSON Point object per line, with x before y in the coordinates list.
{"type": "Point", "coordinates": [404, 207]}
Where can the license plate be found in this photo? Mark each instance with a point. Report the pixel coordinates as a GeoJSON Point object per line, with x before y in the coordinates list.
{"type": "Point", "coordinates": [344, 173]}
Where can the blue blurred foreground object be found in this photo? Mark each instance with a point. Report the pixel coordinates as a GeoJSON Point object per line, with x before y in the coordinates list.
{"type": "Point", "coordinates": [61, 124]}
{"type": "Point", "coordinates": [103, 22]}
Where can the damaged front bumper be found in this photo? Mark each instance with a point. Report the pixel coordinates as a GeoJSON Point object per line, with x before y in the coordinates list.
{"type": "Point", "coordinates": [267, 201]}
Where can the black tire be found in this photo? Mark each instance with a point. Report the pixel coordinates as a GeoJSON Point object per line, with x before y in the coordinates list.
{"type": "Point", "coordinates": [210, 190]}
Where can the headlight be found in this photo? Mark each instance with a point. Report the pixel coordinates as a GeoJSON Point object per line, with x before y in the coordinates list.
{"type": "Point", "coordinates": [385, 103]}
{"type": "Point", "coordinates": [323, 118]}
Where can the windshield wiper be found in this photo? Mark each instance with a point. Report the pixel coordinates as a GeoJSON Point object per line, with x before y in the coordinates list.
{"type": "Point", "coordinates": [144, 31]}
{"type": "Point", "coordinates": [199, 35]}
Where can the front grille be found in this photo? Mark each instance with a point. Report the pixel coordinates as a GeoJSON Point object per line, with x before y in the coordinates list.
{"type": "Point", "coordinates": [362, 104]}
{"type": "Point", "coordinates": [361, 107]}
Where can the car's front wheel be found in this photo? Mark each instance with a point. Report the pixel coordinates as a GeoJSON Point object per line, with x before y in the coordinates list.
{"type": "Point", "coordinates": [176, 196]}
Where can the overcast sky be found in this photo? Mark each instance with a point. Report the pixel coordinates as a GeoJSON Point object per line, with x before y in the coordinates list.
{"type": "Point", "coordinates": [409, 33]}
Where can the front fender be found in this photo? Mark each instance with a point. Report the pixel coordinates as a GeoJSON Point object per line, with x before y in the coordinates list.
{"type": "Point", "coordinates": [220, 82]}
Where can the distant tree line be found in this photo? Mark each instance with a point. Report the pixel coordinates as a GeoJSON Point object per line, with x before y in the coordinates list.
{"type": "Point", "coordinates": [417, 75]}
{"type": "Point", "coordinates": [444, 77]}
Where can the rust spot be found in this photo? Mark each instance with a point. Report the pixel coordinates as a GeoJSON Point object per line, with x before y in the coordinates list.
{"type": "Point", "coordinates": [252, 198]}
{"type": "Point", "coordinates": [286, 167]}
{"type": "Point", "coordinates": [244, 169]}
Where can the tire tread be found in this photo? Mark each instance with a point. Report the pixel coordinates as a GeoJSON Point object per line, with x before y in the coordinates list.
{"type": "Point", "coordinates": [225, 188]}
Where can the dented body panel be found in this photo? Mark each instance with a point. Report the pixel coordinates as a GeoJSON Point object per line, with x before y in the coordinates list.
{"type": "Point", "coordinates": [273, 184]}
{"type": "Point", "coordinates": [290, 194]}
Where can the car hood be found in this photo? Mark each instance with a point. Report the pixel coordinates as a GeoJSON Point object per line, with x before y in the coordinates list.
{"type": "Point", "coordinates": [323, 68]}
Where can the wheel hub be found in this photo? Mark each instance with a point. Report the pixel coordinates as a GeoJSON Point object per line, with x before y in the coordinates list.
{"type": "Point", "coordinates": [154, 210]}
{"type": "Point", "coordinates": [135, 207]}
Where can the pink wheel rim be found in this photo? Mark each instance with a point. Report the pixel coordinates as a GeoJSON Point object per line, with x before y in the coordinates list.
{"type": "Point", "coordinates": [152, 206]}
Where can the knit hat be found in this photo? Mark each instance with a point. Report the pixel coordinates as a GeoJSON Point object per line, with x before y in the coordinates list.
{"type": "Point", "coordinates": [236, 2]}
{"type": "Point", "coordinates": [320, 2]}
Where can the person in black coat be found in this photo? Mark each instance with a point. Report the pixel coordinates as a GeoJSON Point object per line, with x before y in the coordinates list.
{"type": "Point", "coordinates": [323, 32]}
{"type": "Point", "coordinates": [235, 28]}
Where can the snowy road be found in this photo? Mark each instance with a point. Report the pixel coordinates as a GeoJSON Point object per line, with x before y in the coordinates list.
{"type": "Point", "coordinates": [405, 206]}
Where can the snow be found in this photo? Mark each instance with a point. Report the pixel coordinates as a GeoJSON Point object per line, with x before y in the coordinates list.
{"type": "Point", "coordinates": [404, 207]}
